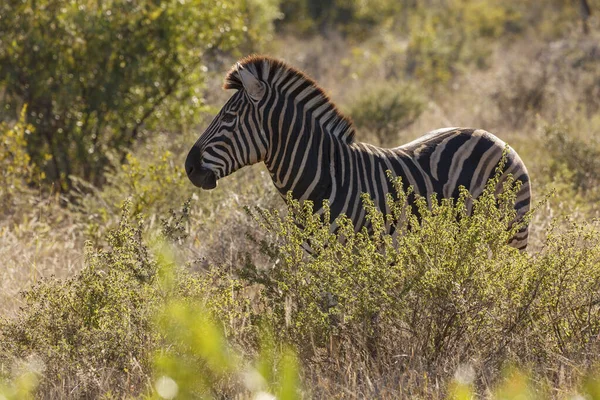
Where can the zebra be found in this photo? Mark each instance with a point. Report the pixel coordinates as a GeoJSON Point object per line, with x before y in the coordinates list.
{"type": "Point", "coordinates": [280, 116]}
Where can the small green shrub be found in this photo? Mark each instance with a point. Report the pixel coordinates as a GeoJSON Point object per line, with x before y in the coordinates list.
{"type": "Point", "coordinates": [94, 328]}
{"type": "Point", "coordinates": [154, 183]}
{"type": "Point", "coordinates": [386, 110]}
{"type": "Point", "coordinates": [153, 180]}
{"type": "Point", "coordinates": [133, 309]}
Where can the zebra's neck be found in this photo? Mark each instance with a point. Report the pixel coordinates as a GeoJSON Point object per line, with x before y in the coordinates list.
{"type": "Point", "coordinates": [303, 127]}
{"type": "Point", "coordinates": [299, 121]}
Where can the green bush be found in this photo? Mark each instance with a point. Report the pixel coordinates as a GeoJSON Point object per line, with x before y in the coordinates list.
{"type": "Point", "coordinates": [432, 279]}
{"type": "Point", "coordinates": [152, 179]}
{"type": "Point", "coordinates": [133, 309]}
{"type": "Point", "coordinates": [386, 110]}
{"type": "Point", "coordinates": [97, 76]}
{"type": "Point", "coordinates": [447, 289]}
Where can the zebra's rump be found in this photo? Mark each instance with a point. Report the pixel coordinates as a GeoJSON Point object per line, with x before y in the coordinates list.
{"type": "Point", "coordinates": [463, 157]}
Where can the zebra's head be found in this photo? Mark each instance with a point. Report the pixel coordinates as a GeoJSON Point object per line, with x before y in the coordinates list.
{"type": "Point", "coordinates": [234, 138]}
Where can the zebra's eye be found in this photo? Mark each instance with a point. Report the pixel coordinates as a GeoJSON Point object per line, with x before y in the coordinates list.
{"type": "Point", "coordinates": [227, 118]}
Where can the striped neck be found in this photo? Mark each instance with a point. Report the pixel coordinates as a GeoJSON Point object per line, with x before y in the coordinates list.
{"type": "Point", "coordinates": [300, 122]}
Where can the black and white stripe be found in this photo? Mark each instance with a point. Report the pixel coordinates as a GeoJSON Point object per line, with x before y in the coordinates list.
{"type": "Point", "coordinates": [280, 116]}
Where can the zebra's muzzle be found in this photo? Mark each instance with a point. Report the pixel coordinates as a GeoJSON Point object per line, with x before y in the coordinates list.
{"type": "Point", "coordinates": [201, 177]}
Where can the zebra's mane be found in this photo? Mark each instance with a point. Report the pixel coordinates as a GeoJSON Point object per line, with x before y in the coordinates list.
{"type": "Point", "coordinates": [269, 69]}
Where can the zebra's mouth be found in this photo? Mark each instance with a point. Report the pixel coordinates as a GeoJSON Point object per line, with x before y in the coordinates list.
{"type": "Point", "coordinates": [200, 176]}
{"type": "Point", "coordinates": [203, 178]}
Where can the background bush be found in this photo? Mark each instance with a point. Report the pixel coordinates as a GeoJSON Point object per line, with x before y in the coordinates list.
{"type": "Point", "coordinates": [97, 77]}
{"type": "Point", "coordinates": [385, 111]}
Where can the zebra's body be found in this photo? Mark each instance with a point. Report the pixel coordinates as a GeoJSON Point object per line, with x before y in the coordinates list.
{"type": "Point", "coordinates": [281, 117]}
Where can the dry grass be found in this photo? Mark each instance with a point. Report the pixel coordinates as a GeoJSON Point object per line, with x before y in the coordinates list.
{"type": "Point", "coordinates": [44, 241]}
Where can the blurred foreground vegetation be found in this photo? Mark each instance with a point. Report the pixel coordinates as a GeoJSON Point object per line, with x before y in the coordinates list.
{"type": "Point", "coordinates": [120, 279]}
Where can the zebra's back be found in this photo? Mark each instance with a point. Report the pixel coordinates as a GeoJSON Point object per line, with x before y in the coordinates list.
{"type": "Point", "coordinates": [444, 160]}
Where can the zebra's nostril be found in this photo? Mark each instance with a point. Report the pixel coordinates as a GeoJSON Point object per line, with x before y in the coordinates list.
{"type": "Point", "coordinates": [192, 160]}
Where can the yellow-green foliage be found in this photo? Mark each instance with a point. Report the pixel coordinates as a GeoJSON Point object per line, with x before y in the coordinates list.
{"type": "Point", "coordinates": [149, 183]}
{"type": "Point", "coordinates": [22, 387]}
{"type": "Point", "coordinates": [433, 278]}
{"type": "Point", "coordinates": [128, 311]}
{"type": "Point", "coordinates": [16, 171]}
{"type": "Point", "coordinates": [447, 288]}
{"type": "Point", "coordinates": [98, 321]}
{"type": "Point", "coordinates": [152, 180]}
{"type": "Point", "coordinates": [197, 360]}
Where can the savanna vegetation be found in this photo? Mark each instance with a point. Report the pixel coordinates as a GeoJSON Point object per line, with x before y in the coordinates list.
{"type": "Point", "coordinates": [119, 279]}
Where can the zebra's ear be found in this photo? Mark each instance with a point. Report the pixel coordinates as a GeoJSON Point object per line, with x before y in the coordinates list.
{"type": "Point", "coordinates": [254, 87]}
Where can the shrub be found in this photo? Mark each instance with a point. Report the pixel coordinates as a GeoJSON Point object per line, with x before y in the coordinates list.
{"type": "Point", "coordinates": [352, 18]}
{"type": "Point", "coordinates": [91, 331]}
{"type": "Point", "coordinates": [445, 291]}
{"type": "Point", "coordinates": [96, 75]}
{"type": "Point", "coordinates": [580, 157]}
{"type": "Point", "coordinates": [152, 178]}
{"type": "Point", "coordinates": [386, 110]}
{"type": "Point", "coordinates": [432, 278]}
{"type": "Point", "coordinates": [103, 331]}
{"type": "Point", "coordinates": [573, 69]}
{"type": "Point", "coordinates": [521, 93]}
{"type": "Point", "coordinates": [154, 181]}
